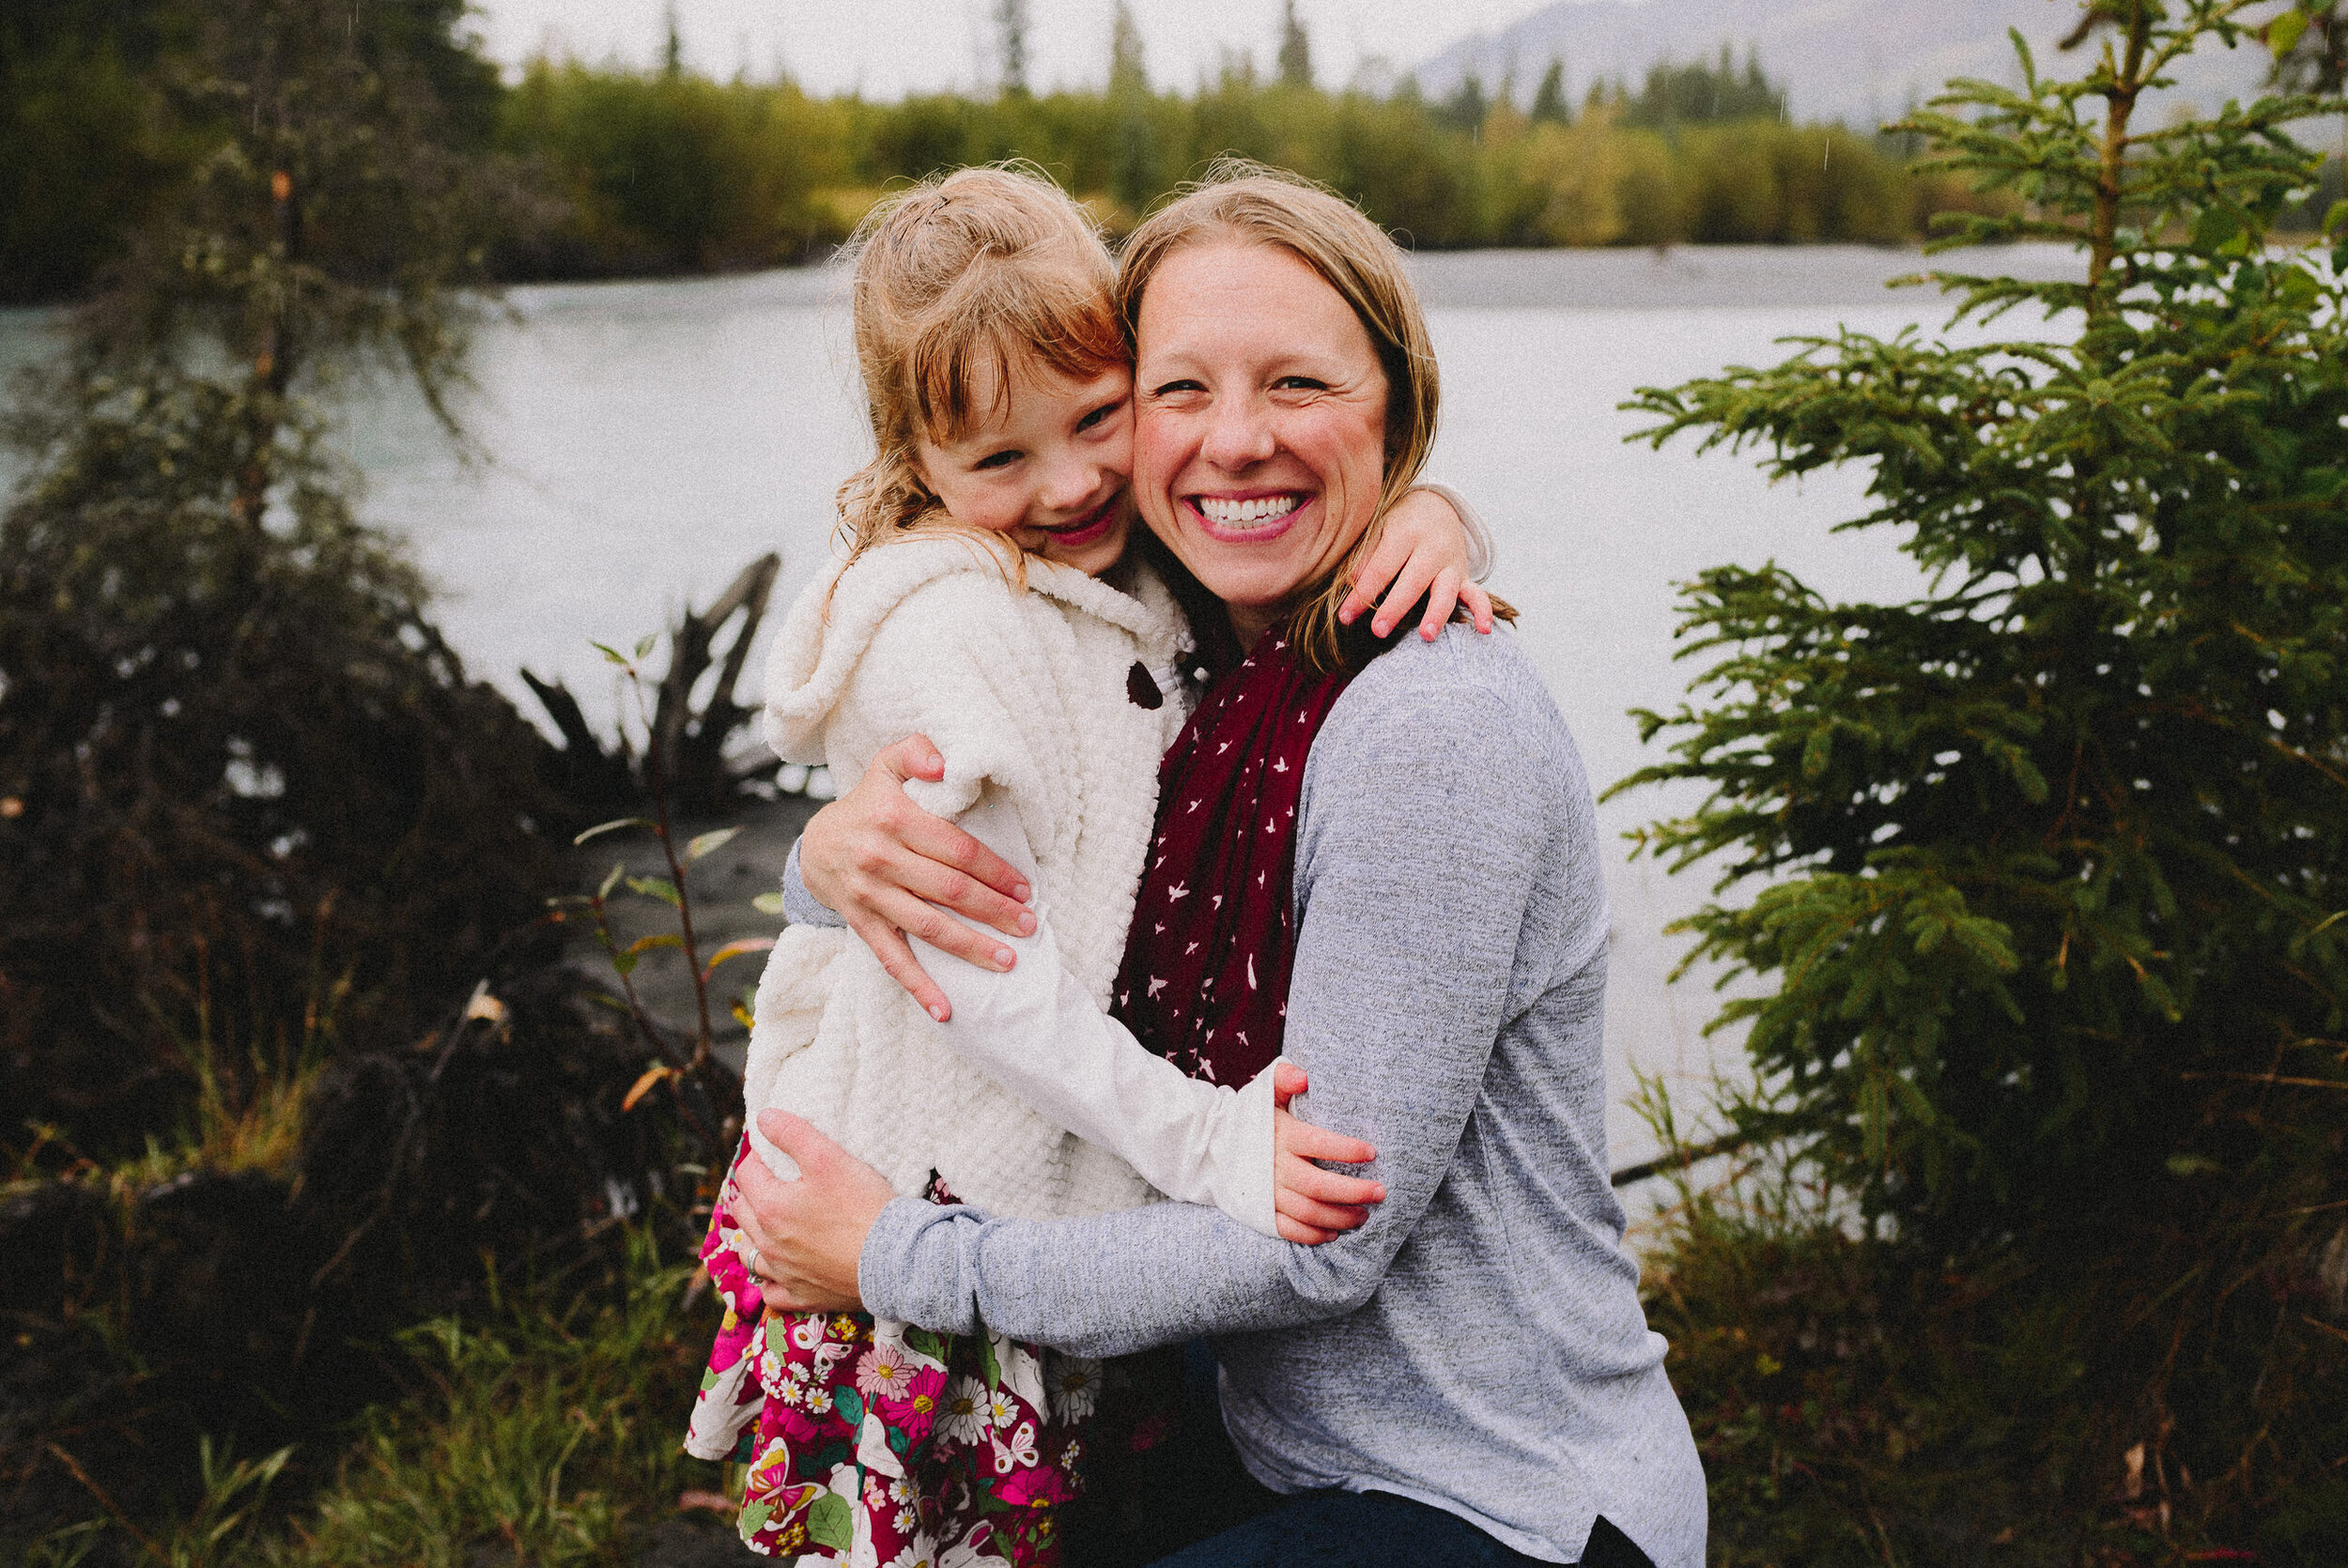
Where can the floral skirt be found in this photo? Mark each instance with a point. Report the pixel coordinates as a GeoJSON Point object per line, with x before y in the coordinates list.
{"type": "Point", "coordinates": [881, 1445]}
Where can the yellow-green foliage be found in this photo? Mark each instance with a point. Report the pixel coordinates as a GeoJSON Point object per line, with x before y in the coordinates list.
{"type": "Point", "coordinates": [670, 171]}
{"type": "Point", "coordinates": [676, 172]}
{"type": "Point", "coordinates": [548, 1436]}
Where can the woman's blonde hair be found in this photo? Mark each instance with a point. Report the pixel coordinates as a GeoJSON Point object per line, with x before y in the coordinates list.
{"type": "Point", "coordinates": [982, 270]}
{"type": "Point", "coordinates": [1252, 204]}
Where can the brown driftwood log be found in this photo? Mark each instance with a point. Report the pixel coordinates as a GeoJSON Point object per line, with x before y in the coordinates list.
{"type": "Point", "coordinates": [687, 744]}
{"type": "Point", "coordinates": [692, 745]}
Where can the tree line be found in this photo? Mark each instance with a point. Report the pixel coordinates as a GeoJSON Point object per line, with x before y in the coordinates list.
{"type": "Point", "coordinates": [664, 170]}
{"type": "Point", "coordinates": [668, 171]}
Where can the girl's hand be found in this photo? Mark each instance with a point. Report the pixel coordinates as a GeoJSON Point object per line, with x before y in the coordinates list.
{"type": "Point", "coordinates": [1424, 549]}
{"type": "Point", "coordinates": [1310, 1204]}
{"type": "Point", "coordinates": [888, 868]}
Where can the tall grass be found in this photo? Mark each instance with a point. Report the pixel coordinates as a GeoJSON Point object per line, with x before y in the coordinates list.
{"type": "Point", "coordinates": [549, 1432]}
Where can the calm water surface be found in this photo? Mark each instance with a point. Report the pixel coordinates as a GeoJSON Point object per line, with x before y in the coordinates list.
{"type": "Point", "coordinates": [645, 440]}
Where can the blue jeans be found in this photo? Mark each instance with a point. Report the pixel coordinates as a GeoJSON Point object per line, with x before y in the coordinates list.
{"type": "Point", "coordinates": [1378, 1529]}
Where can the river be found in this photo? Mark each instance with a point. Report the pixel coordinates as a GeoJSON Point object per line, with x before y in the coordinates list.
{"type": "Point", "coordinates": [643, 440]}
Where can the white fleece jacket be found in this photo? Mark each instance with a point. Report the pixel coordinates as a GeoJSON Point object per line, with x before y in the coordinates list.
{"type": "Point", "coordinates": [1052, 762]}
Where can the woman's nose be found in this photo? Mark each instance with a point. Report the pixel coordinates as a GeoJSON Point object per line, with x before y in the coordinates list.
{"type": "Point", "coordinates": [1239, 435]}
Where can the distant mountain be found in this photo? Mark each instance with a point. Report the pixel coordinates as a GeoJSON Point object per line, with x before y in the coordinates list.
{"type": "Point", "coordinates": [1858, 61]}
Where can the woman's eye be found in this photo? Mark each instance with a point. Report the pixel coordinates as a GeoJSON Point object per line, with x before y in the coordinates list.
{"type": "Point", "coordinates": [996, 460]}
{"type": "Point", "coordinates": [1299, 383]}
{"type": "Point", "coordinates": [1171, 387]}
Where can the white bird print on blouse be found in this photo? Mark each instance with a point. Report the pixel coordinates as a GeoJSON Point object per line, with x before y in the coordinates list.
{"type": "Point", "coordinates": [1156, 986]}
{"type": "Point", "coordinates": [1176, 892]}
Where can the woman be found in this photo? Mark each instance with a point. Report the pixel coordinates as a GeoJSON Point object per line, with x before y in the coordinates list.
{"type": "Point", "coordinates": [1466, 1376]}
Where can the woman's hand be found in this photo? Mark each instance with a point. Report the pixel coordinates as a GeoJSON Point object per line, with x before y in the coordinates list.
{"type": "Point", "coordinates": [1310, 1204]}
{"type": "Point", "coordinates": [889, 869]}
{"type": "Point", "coordinates": [808, 1233]}
{"type": "Point", "coordinates": [1424, 549]}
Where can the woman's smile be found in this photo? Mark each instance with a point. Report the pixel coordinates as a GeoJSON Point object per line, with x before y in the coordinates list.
{"type": "Point", "coordinates": [1249, 518]}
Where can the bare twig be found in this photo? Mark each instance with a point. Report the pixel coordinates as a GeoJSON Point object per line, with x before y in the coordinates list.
{"type": "Point", "coordinates": [1680, 1160]}
{"type": "Point", "coordinates": [74, 1467]}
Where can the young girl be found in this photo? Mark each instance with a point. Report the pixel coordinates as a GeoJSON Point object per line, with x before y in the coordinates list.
{"type": "Point", "coordinates": [989, 602]}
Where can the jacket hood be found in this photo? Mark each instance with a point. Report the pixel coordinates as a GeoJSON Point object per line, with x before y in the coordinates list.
{"type": "Point", "coordinates": [832, 622]}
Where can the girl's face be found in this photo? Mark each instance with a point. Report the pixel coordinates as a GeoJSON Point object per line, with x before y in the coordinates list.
{"type": "Point", "coordinates": [1261, 440]}
{"type": "Point", "coordinates": [1049, 465]}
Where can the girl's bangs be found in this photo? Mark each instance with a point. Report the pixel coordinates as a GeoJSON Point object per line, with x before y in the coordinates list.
{"type": "Point", "coordinates": [976, 348]}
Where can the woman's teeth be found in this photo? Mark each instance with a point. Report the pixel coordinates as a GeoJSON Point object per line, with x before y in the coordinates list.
{"type": "Point", "coordinates": [1239, 513]}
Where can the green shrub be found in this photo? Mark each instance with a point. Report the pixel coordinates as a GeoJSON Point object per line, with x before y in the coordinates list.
{"type": "Point", "coordinates": [2048, 861]}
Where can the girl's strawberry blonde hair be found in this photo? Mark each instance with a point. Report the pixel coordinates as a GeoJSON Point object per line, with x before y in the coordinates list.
{"type": "Point", "coordinates": [958, 285]}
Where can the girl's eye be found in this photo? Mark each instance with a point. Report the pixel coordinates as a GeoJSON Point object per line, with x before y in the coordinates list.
{"type": "Point", "coordinates": [1104, 411]}
{"type": "Point", "coordinates": [996, 460]}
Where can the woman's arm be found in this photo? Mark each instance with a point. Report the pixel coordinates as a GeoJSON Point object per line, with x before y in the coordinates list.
{"type": "Point", "coordinates": [1399, 991]}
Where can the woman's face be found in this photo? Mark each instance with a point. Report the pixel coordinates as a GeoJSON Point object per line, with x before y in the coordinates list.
{"type": "Point", "coordinates": [1260, 433]}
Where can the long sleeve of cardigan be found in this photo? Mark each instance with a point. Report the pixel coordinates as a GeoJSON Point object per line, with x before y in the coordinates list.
{"type": "Point", "coordinates": [1035, 1031]}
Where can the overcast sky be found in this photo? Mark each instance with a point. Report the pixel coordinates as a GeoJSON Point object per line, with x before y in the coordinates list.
{"type": "Point", "coordinates": [888, 47]}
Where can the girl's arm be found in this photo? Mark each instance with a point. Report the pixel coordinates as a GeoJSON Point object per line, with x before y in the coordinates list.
{"type": "Point", "coordinates": [1037, 1032]}
{"type": "Point", "coordinates": [1433, 544]}
{"type": "Point", "coordinates": [892, 869]}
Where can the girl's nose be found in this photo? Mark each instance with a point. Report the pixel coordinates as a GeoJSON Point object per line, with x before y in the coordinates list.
{"type": "Point", "coordinates": [1069, 483]}
{"type": "Point", "coordinates": [1238, 434]}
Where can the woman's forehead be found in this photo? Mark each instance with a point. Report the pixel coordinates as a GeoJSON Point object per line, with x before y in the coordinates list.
{"type": "Point", "coordinates": [1210, 293]}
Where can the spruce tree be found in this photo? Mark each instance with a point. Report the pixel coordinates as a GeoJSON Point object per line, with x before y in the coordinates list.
{"type": "Point", "coordinates": [1296, 50]}
{"type": "Point", "coordinates": [1010, 46]}
{"type": "Point", "coordinates": [251, 803]}
{"type": "Point", "coordinates": [1549, 98]}
{"type": "Point", "coordinates": [2044, 871]}
{"type": "Point", "coordinates": [1134, 173]}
